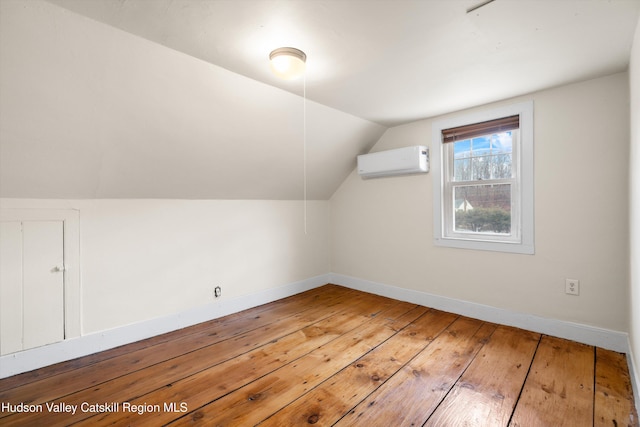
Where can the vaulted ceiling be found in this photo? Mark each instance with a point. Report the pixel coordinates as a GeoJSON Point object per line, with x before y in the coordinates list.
{"type": "Point", "coordinates": [174, 98]}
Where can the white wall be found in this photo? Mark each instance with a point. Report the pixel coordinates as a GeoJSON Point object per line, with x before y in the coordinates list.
{"type": "Point", "coordinates": [142, 259]}
{"type": "Point", "coordinates": [634, 197]}
{"type": "Point", "coordinates": [382, 229]}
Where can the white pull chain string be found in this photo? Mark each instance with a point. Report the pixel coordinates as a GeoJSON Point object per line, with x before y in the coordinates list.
{"type": "Point", "coordinates": [304, 146]}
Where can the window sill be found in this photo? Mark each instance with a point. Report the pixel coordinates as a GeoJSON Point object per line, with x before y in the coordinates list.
{"type": "Point", "coordinates": [515, 248]}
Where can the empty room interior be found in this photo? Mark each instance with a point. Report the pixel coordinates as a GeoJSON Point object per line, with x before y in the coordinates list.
{"type": "Point", "coordinates": [430, 218]}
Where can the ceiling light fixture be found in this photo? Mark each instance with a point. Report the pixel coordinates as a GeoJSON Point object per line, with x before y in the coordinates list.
{"type": "Point", "coordinates": [288, 62]}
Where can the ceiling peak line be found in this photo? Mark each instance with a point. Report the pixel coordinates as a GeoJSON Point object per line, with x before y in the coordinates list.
{"type": "Point", "coordinates": [479, 5]}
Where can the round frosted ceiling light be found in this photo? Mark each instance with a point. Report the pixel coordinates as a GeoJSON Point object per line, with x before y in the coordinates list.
{"type": "Point", "coordinates": [288, 62]}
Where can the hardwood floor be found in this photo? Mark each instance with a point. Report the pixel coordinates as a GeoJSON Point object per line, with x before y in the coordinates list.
{"type": "Point", "coordinates": [332, 356]}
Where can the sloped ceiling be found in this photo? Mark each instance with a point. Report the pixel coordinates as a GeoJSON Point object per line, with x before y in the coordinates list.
{"type": "Point", "coordinates": [174, 98]}
{"type": "Point", "coordinates": [393, 61]}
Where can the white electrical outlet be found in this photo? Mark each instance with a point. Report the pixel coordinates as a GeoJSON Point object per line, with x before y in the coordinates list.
{"type": "Point", "coordinates": [572, 286]}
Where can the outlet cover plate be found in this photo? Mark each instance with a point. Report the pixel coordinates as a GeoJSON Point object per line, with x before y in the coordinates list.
{"type": "Point", "coordinates": [572, 287]}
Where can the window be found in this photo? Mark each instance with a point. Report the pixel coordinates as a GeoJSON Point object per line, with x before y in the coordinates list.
{"type": "Point", "coordinates": [483, 180]}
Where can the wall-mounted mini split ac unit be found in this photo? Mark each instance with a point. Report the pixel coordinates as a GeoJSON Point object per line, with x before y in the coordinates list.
{"type": "Point", "coordinates": [401, 161]}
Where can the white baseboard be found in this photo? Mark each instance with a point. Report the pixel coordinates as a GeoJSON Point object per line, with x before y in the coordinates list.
{"type": "Point", "coordinates": [28, 360]}
{"type": "Point", "coordinates": [633, 374]}
{"type": "Point", "coordinates": [608, 339]}
{"type": "Point", "coordinates": [39, 357]}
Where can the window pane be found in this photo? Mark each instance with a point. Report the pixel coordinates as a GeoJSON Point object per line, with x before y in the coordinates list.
{"type": "Point", "coordinates": [483, 209]}
{"type": "Point", "coordinates": [483, 158]}
{"type": "Point", "coordinates": [462, 149]}
{"type": "Point", "coordinates": [501, 166]}
{"type": "Point", "coordinates": [480, 150]}
{"type": "Point", "coordinates": [481, 167]}
{"type": "Point", "coordinates": [481, 146]}
{"type": "Point", "coordinates": [462, 169]}
{"type": "Point", "coordinates": [501, 142]}
{"type": "Point", "coordinates": [501, 149]}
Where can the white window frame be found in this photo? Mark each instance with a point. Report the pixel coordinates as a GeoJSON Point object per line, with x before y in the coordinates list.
{"type": "Point", "coordinates": [521, 239]}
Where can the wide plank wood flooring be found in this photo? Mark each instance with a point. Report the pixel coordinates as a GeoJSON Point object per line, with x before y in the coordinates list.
{"type": "Point", "coordinates": [332, 357]}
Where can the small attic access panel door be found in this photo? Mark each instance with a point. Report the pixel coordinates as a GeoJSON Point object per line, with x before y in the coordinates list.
{"type": "Point", "coordinates": [31, 284]}
{"type": "Point", "coordinates": [49, 241]}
